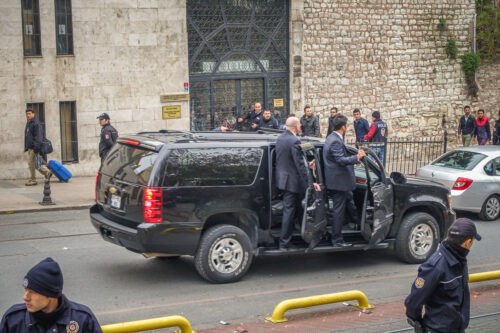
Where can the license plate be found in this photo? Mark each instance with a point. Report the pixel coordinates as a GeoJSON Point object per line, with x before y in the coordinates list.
{"type": "Point", "coordinates": [116, 201]}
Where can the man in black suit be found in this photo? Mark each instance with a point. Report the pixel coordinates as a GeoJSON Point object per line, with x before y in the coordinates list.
{"type": "Point", "coordinates": [339, 174]}
{"type": "Point", "coordinates": [291, 177]}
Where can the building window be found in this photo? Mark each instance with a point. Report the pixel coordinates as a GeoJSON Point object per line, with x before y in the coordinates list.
{"type": "Point", "coordinates": [69, 139]}
{"type": "Point", "coordinates": [31, 28]}
{"type": "Point", "coordinates": [39, 111]}
{"type": "Point", "coordinates": [64, 27]}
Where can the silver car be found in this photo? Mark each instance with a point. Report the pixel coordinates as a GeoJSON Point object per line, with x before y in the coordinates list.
{"type": "Point", "coordinates": [473, 175]}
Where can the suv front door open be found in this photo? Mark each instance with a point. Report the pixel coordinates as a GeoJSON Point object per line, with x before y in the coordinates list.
{"type": "Point", "coordinates": [314, 220]}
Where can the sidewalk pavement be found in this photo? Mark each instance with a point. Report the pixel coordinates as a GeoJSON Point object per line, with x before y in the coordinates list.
{"type": "Point", "coordinates": [386, 317]}
{"type": "Point", "coordinates": [15, 197]}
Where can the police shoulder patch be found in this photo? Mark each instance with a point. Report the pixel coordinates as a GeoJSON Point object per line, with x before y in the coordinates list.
{"type": "Point", "coordinates": [419, 282]}
{"type": "Point", "coordinates": [72, 327]}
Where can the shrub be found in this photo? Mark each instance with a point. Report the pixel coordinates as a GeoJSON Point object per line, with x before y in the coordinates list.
{"type": "Point", "coordinates": [451, 48]}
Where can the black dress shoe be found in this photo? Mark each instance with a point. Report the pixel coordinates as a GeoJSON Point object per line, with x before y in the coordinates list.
{"type": "Point", "coordinates": [341, 244]}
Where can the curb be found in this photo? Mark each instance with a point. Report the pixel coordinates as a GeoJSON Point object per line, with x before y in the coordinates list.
{"type": "Point", "coordinates": [44, 209]}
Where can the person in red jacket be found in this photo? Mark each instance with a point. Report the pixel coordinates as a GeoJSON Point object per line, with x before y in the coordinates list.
{"type": "Point", "coordinates": [482, 132]}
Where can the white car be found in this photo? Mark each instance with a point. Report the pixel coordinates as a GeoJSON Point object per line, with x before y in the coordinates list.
{"type": "Point", "coordinates": [473, 175]}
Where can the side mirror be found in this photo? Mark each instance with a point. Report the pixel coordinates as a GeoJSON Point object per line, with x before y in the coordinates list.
{"type": "Point", "coordinates": [398, 177]}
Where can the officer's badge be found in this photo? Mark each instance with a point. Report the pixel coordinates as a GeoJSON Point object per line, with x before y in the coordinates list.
{"type": "Point", "coordinates": [72, 327]}
{"type": "Point", "coordinates": [419, 282]}
{"type": "Point", "coordinates": [25, 283]}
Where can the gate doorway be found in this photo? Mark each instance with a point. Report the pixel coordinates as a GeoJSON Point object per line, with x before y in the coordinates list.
{"type": "Point", "coordinates": [238, 55]}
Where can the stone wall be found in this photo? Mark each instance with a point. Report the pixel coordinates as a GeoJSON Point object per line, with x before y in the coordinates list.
{"type": "Point", "coordinates": [386, 55]}
{"type": "Point", "coordinates": [126, 54]}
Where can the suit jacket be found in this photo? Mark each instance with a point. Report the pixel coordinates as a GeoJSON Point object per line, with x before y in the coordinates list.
{"type": "Point", "coordinates": [291, 171]}
{"type": "Point", "coordinates": [339, 166]}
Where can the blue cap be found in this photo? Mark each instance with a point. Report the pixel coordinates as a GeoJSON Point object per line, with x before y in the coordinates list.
{"type": "Point", "coordinates": [45, 278]}
{"type": "Point", "coordinates": [464, 227]}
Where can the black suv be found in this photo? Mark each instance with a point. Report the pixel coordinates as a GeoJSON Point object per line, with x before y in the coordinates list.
{"type": "Point", "coordinates": [213, 196]}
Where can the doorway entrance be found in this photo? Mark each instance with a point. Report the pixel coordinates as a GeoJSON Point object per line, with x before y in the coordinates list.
{"type": "Point", "coordinates": [238, 55]}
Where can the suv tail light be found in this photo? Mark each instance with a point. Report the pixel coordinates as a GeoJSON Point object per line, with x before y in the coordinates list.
{"type": "Point", "coordinates": [96, 182]}
{"type": "Point", "coordinates": [462, 184]}
{"type": "Point", "coordinates": [153, 205]}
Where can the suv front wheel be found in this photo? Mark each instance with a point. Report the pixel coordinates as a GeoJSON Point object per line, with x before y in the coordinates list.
{"type": "Point", "coordinates": [418, 238]}
{"type": "Point", "coordinates": [224, 254]}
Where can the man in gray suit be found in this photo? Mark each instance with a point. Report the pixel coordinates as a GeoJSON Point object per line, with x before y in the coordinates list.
{"type": "Point", "coordinates": [339, 174]}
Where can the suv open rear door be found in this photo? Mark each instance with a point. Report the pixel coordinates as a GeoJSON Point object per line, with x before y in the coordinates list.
{"type": "Point", "coordinates": [314, 218]}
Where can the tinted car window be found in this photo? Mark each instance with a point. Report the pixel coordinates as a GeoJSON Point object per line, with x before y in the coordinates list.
{"type": "Point", "coordinates": [130, 164]}
{"type": "Point", "coordinates": [212, 166]}
{"type": "Point", "coordinates": [493, 167]}
{"type": "Point", "coordinates": [462, 160]}
{"type": "Point", "coordinates": [360, 172]}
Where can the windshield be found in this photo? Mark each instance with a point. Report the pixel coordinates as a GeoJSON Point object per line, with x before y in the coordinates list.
{"type": "Point", "coordinates": [459, 159]}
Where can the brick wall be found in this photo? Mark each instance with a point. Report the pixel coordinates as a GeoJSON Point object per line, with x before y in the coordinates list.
{"type": "Point", "coordinates": [387, 55]}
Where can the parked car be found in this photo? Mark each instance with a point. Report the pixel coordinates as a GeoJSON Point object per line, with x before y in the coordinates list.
{"type": "Point", "coordinates": [213, 196]}
{"type": "Point", "coordinates": [473, 175]}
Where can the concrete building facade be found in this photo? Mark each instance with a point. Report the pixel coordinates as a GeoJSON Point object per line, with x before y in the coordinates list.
{"type": "Point", "coordinates": [162, 64]}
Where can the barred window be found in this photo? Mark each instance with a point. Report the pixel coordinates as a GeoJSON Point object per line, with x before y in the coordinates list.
{"type": "Point", "coordinates": [31, 28]}
{"type": "Point", "coordinates": [64, 27]}
{"type": "Point", "coordinates": [69, 138]}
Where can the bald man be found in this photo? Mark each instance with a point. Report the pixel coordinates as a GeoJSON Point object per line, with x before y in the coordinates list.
{"type": "Point", "coordinates": [291, 177]}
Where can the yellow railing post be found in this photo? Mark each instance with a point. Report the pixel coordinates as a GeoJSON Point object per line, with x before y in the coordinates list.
{"type": "Point", "coordinates": [149, 324]}
{"type": "Point", "coordinates": [484, 276]}
{"type": "Point", "coordinates": [304, 302]}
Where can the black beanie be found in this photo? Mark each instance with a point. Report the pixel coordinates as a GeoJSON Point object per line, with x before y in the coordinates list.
{"type": "Point", "coordinates": [45, 278]}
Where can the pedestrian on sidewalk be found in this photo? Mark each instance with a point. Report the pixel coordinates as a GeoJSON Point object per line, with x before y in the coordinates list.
{"type": "Point", "coordinates": [482, 132]}
{"type": "Point", "coordinates": [496, 134]}
{"type": "Point", "coordinates": [108, 135]}
{"type": "Point", "coordinates": [309, 123]}
{"type": "Point", "coordinates": [33, 136]}
{"type": "Point", "coordinates": [361, 126]}
{"type": "Point", "coordinates": [442, 284]}
{"type": "Point", "coordinates": [466, 127]}
{"type": "Point", "coordinates": [377, 135]}
{"type": "Point", "coordinates": [45, 308]}
{"type": "Point", "coordinates": [333, 112]}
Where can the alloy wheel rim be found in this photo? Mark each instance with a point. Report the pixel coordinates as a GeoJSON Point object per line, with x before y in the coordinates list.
{"type": "Point", "coordinates": [226, 255]}
{"type": "Point", "coordinates": [492, 207]}
{"type": "Point", "coordinates": [421, 239]}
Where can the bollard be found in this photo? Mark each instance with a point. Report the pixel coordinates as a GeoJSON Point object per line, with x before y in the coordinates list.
{"type": "Point", "coordinates": [149, 324]}
{"type": "Point", "coordinates": [47, 200]}
{"type": "Point", "coordinates": [304, 302]}
{"type": "Point", "coordinates": [484, 276]}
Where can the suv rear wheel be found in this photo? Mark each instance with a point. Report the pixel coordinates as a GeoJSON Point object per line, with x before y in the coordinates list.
{"type": "Point", "coordinates": [224, 254]}
{"type": "Point", "coordinates": [417, 238]}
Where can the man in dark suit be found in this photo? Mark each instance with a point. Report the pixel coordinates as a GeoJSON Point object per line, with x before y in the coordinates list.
{"type": "Point", "coordinates": [291, 177]}
{"type": "Point", "coordinates": [339, 174]}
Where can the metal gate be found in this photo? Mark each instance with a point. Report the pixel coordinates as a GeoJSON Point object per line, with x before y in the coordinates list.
{"type": "Point", "coordinates": [238, 55]}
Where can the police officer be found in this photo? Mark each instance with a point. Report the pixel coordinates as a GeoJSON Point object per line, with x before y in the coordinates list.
{"type": "Point", "coordinates": [108, 135]}
{"type": "Point", "coordinates": [377, 135]}
{"type": "Point", "coordinates": [442, 284]}
{"type": "Point", "coordinates": [45, 307]}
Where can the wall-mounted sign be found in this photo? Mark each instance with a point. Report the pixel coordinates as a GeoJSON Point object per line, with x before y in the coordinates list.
{"type": "Point", "coordinates": [278, 102]}
{"type": "Point", "coordinates": [171, 111]}
{"type": "Point", "coordinates": [186, 86]}
{"type": "Point", "coordinates": [29, 29]}
{"type": "Point", "coordinates": [174, 98]}
{"type": "Point", "coordinates": [62, 29]}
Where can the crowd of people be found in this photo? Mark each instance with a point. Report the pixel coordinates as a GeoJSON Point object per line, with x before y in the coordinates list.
{"type": "Point", "coordinates": [471, 129]}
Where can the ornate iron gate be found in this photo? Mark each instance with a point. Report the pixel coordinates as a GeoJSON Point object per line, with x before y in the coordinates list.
{"type": "Point", "coordinates": [238, 55]}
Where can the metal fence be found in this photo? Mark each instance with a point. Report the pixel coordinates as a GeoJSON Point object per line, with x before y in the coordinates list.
{"type": "Point", "coordinates": [406, 155]}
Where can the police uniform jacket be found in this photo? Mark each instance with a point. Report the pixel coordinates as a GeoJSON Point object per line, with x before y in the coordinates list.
{"type": "Point", "coordinates": [291, 171]}
{"type": "Point", "coordinates": [77, 318]}
{"type": "Point", "coordinates": [108, 139]}
{"type": "Point", "coordinates": [33, 135]}
{"type": "Point", "coordinates": [442, 285]}
{"type": "Point", "coordinates": [339, 164]}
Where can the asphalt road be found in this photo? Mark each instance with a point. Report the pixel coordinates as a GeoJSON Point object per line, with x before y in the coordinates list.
{"type": "Point", "coordinates": [120, 285]}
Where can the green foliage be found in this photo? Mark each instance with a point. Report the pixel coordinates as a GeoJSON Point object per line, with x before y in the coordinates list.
{"type": "Point", "coordinates": [451, 48]}
{"type": "Point", "coordinates": [434, 70]}
{"type": "Point", "coordinates": [488, 29]}
{"type": "Point", "coordinates": [442, 24]}
{"type": "Point", "coordinates": [470, 65]}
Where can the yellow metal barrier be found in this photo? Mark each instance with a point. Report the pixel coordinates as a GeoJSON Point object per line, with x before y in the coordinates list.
{"type": "Point", "coordinates": [305, 302]}
{"type": "Point", "coordinates": [484, 276]}
{"type": "Point", "coordinates": [149, 324]}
